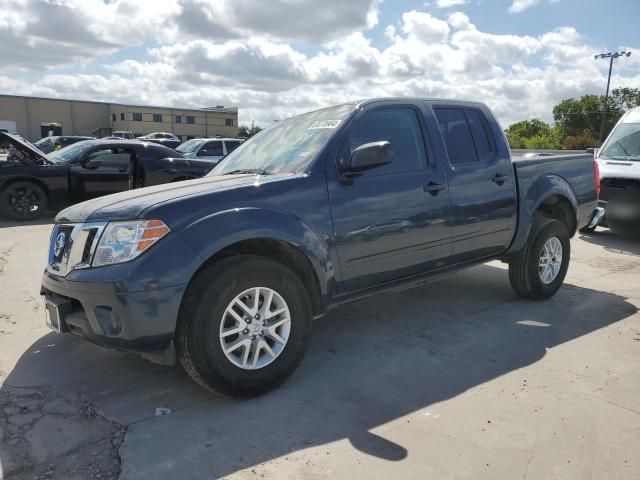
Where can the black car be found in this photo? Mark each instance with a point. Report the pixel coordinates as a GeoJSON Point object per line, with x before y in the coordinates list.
{"type": "Point", "coordinates": [51, 144]}
{"type": "Point", "coordinates": [167, 139]}
{"type": "Point", "coordinates": [31, 181]}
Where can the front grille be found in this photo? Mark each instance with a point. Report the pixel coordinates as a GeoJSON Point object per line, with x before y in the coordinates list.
{"type": "Point", "coordinates": [72, 246]}
{"type": "Point", "coordinates": [87, 253]}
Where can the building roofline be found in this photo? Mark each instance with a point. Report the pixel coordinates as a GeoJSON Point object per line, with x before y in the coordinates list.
{"type": "Point", "coordinates": [204, 109]}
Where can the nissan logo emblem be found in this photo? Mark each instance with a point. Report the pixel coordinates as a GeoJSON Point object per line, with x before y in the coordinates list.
{"type": "Point", "coordinates": [58, 247]}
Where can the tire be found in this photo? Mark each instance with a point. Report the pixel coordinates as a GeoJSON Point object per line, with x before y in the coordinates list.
{"type": "Point", "coordinates": [22, 201]}
{"type": "Point", "coordinates": [525, 273]}
{"type": "Point", "coordinates": [204, 313]}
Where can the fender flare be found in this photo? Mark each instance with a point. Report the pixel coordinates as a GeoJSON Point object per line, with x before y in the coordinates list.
{"type": "Point", "coordinates": [250, 223]}
{"type": "Point", "coordinates": [537, 192]}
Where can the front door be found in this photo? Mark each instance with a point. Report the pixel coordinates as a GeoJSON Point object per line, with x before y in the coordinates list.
{"type": "Point", "coordinates": [392, 221]}
{"type": "Point", "coordinates": [481, 183]}
{"type": "Point", "coordinates": [102, 171]}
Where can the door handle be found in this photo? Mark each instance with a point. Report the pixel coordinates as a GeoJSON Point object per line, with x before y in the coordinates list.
{"type": "Point", "coordinates": [500, 178]}
{"type": "Point", "coordinates": [433, 188]}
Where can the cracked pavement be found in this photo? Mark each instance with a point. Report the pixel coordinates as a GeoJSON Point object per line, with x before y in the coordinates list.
{"type": "Point", "coordinates": [455, 379]}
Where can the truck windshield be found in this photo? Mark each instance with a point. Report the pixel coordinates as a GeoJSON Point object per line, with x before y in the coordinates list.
{"type": "Point", "coordinates": [68, 154]}
{"type": "Point", "coordinates": [624, 143]}
{"type": "Point", "coordinates": [286, 147]}
{"type": "Point", "coordinates": [189, 146]}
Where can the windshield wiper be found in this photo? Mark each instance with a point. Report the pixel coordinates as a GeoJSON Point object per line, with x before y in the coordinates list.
{"type": "Point", "coordinates": [258, 171]}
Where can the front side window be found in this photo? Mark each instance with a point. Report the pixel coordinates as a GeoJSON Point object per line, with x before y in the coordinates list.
{"type": "Point", "coordinates": [112, 156]}
{"type": "Point", "coordinates": [456, 135]}
{"type": "Point", "coordinates": [400, 127]}
{"type": "Point", "coordinates": [211, 149]}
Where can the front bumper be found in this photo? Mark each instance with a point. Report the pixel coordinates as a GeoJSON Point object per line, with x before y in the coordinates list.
{"type": "Point", "coordinates": [131, 306]}
{"type": "Point", "coordinates": [141, 322]}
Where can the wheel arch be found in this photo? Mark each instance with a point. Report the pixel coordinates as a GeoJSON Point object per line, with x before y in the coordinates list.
{"type": "Point", "coordinates": [25, 178]}
{"type": "Point", "coordinates": [549, 195]}
{"type": "Point", "coordinates": [269, 233]}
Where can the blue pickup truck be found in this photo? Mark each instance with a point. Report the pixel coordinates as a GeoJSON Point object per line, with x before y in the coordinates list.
{"type": "Point", "coordinates": [225, 274]}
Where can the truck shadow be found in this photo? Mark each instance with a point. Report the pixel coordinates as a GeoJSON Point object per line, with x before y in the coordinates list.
{"type": "Point", "coordinates": [612, 242]}
{"type": "Point", "coordinates": [369, 363]}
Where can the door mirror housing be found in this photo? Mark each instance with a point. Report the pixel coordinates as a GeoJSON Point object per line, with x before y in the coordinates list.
{"type": "Point", "coordinates": [366, 157]}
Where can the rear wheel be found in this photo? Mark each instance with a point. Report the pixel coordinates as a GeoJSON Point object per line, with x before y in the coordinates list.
{"type": "Point", "coordinates": [23, 200]}
{"type": "Point", "coordinates": [244, 326]}
{"type": "Point", "coordinates": [539, 270]}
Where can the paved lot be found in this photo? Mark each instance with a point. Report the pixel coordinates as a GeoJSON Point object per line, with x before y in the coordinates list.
{"type": "Point", "coordinates": [459, 379]}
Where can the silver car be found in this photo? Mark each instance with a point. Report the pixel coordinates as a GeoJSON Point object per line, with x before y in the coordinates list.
{"type": "Point", "coordinates": [213, 149]}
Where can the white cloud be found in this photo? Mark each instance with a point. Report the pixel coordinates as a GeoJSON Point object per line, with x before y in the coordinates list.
{"type": "Point", "coordinates": [252, 64]}
{"type": "Point", "coordinates": [521, 5]}
{"type": "Point", "coordinates": [450, 3]}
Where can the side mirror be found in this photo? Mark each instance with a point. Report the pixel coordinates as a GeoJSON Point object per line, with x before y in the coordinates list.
{"type": "Point", "coordinates": [367, 156]}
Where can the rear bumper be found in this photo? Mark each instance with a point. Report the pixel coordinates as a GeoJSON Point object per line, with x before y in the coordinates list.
{"type": "Point", "coordinates": [142, 322]}
{"type": "Point", "coordinates": [596, 218]}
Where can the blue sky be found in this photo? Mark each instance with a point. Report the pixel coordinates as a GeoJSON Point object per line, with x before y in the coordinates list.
{"type": "Point", "coordinates": [278, 58]}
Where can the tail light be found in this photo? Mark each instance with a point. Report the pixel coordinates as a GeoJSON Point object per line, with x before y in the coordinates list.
{"type": "Point", "coordinates": [596, 177]}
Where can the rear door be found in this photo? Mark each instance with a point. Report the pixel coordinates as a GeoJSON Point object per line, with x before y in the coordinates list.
{"type": "Point", "coordinates": [392, 221]}
{"type": "Point", "coordinates": [102, 171]}
{"type": "Point", "coordinates": [482, 187]}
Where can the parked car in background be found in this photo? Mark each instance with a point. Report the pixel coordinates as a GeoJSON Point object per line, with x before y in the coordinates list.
{"type": "Point", "coordinates": [32, 181]}
{"type": "Point", "coordinates": [618, 163]}
{"type": "Point", "coordinates": [167, 139]}
{"type": "Point", "coordinates": [126, 134]}
{"type": "Point", "coordinates": [317, 210]}
{"type": "Point", "coordinates": [51, 144]}
{"type": "Point", "coordinates": [213, 149]}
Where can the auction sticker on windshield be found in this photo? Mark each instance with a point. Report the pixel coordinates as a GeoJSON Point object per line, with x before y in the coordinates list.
{"type": "Point", "coordinates": [325, 124]}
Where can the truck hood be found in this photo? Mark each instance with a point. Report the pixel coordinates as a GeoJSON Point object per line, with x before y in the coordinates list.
{"type": "Point", "coordinates": [130, 204]}
{"type": "Point", "coordinates": [25, 147]}
{"type": "Point", "coordinates": [619, 168]}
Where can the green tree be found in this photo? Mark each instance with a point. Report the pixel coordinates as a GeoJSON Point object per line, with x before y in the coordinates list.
{"type": "Point", "coordinates": [625, 98]}
{"type": "Point", "coordinates": [245, 131]}
{"type": "Point", "coordinates": [528, 128]}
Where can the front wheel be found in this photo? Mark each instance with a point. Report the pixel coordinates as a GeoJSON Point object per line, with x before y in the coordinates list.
{"type": "Point", "coordinates": [539, 270]}
{"type": "Point", "coordinates": [23, 200]}
{"type": "Point", "coordinates": [244, 326]}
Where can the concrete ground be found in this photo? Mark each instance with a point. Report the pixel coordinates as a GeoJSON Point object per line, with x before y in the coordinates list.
{"type": "Point", "coordinates": [457, 379]}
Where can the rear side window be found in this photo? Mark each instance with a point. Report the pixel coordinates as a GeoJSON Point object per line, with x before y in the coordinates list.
{"type": "Point", "coordinates": [457, 135]}
{"type": "Point", "coordinates": [231, 146]}
{"type": "Point", "coordinates": [399, 126]}
{"type": "Point", "coordinates": [481, 136]}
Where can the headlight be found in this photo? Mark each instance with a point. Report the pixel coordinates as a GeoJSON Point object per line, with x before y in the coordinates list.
{"type": "Point", "coordinates": [124, 241]}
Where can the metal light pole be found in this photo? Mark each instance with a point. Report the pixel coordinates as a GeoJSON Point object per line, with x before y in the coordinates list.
{"type": "Point", "coordinates": [611, 56]}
